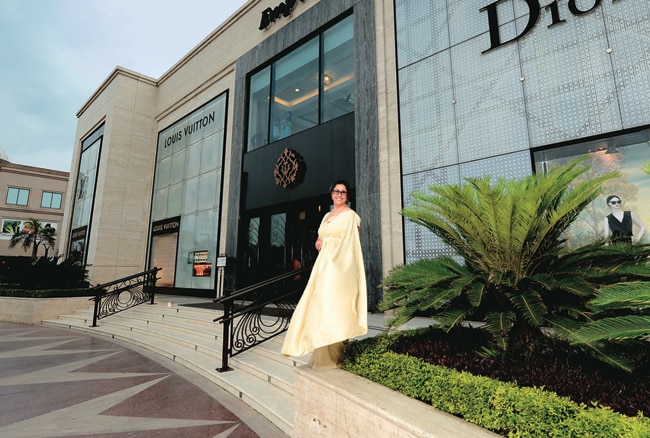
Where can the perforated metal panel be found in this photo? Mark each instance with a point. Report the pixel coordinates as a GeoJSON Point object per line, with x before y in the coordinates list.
{"type": "Point", "coordinates": [490, 111]}
{"type": "Point", "coordinates": [420, 242]}
{"type": "Point", "coordinates": [512, 166]}
{"type": "Point", "coordinates": [427, 116]}
{"type": "Point", "coordinates": [422, 26]}
{"type": "Point", "coordinates": [629, 36]}
{"type": "Point", "coordinates": [568, 81]}
{"type": "Point", "coordinates": [466, 111]}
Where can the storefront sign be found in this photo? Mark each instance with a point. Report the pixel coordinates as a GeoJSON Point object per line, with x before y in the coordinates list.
{"type": "Point", "coordinates": [171, 225]}
{"type": "Point", "coordinates": [77, 248]}
{"type": "Point", "coordinates": [534, 9]}
{"type": "Point", "coordinates": [189, 129]}
{"type": "Point", "coordinates": [284, 9]}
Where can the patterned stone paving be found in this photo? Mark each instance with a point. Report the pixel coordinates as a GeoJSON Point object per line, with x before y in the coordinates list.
{"type": "Point", "coordinates": [65, 383]}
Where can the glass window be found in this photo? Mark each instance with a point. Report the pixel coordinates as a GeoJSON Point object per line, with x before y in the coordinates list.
{"type": "Point", "coordinates": [278, 238]}
{"type": "Point", "coordinates": [85, 192]}
{"type": "Point", "coordinates": [258, 113]}
{"type": "Point", "coordinates": [296, 93]}
{"type": "Point", "coordinates": [188, 184]}
{"type": "Point", "coordinates": [84, 195]}
{"type": "Point", "coordinates": [51, 200]}
{"type": "Point", "coordinates": [629, 154]}
{"type": "Point", "coordinates": [338, 71]}
{"type": "Point", "coordinates": [295, 98]}
{"type": "Point", "coordinates": [16, 196]}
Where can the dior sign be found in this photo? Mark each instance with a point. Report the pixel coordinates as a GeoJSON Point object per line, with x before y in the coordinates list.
{"type": "Point", "coordinates": [534, 8]}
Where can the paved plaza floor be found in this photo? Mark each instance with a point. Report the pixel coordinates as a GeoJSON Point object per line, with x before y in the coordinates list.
{"type": "Point", "coordinates": [66, 383]}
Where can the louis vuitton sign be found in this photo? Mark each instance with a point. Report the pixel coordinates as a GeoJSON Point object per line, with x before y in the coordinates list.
{"type": "Point", "coordinates": [558, 12]}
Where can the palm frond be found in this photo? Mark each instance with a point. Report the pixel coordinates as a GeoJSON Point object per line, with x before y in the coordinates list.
{"type": "Point", "coordinates": [450, 319]}
{"type": "Point", "coordinates": [574, 332]}
{"type": "Point", "coordinates": [616, 329]}
{"type": "Point", "coordinates": [530, 306]}
{"type": "Point", "coordinates": [475, 291]}
{"type": "Point", "coordinates": [625, 295]}
{"type": "Point", "coordinates": [499, 325]}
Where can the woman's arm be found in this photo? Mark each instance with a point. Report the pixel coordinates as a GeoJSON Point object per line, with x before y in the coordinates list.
{"type": "Point", "coordinates": [606, 230]}
{"type": "Point", "coordinates": [641, 232]}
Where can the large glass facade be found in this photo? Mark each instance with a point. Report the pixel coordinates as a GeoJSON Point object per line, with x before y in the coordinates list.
{"type": "Point", "coordinates": [84, 196]}
{"type": "Point", "coordinates": [187, 194]}
{"type": "Point", "coordinates": [467, 109]}
{"type": "Point", "coordinates": [312, 84]}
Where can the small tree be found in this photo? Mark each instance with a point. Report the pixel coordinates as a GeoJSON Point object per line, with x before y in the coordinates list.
{"type": "Point", "coordinates": [33, 235]}
{"type": "Point", "coordinates": [516, 275]}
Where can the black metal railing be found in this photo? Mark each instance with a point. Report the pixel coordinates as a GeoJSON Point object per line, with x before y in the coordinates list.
{"type": "Point", "coordinates": [124, 293]}
{"type": "Point", "coordinates": [259, 312]}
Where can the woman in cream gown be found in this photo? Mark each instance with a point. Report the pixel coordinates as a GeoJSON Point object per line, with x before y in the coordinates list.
{"type": "Point", "coordinates": [333, 307]}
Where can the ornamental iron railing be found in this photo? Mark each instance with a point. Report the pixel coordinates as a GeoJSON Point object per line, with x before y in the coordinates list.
{"type": "Point", "coordinates": [124, 293]}
{"type": "Point", "coordinates": [259, 312]}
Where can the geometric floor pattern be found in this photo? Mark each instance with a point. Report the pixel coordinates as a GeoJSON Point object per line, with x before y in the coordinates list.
{"type": "Point", "coordinates": [62, 383]}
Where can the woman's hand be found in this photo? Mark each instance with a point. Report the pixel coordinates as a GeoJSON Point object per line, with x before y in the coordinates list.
{"type": "Point", "coordinates": [319, 244]}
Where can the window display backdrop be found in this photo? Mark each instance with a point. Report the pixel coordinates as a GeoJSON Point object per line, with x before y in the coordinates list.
{"type": "Point", "coordinates": [625, 153]}
{"type": "Point", "coordinates": [188, 183]}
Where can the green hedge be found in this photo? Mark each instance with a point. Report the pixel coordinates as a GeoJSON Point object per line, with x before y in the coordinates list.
{"type": "Point", "coordinates": [501, 407]}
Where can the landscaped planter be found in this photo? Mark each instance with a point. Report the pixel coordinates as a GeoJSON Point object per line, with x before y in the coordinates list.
{"type": "Point", "coordinates": [35, 310]}
{"type": "Point", "coordinates": [336, 403]}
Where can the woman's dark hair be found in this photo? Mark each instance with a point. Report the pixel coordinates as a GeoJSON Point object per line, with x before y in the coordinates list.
{"type": "Point", "coordinates": [340, 181]}
{"type": "Point", "coordinates": [609, 198]}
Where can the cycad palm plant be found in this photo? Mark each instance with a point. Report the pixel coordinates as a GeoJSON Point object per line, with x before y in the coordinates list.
{"type": "Point", "coordinates": [516, 276]}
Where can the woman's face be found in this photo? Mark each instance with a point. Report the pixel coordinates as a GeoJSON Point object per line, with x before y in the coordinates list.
{"type": "Point", "coordinates": [339, 195]}
{"type": "Point", "coordinates": [615, 203]}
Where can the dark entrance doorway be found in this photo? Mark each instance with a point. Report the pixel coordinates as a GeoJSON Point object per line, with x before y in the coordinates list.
{"type": "Point", "coordinates": [279, 239]}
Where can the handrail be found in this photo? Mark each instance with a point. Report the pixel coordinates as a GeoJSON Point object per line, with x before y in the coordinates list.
{"type": "Point", "coordinates": [252, 317]}
{"type": "Point", "coordinates": [257, 286]}
{"type": "Point", "coordinates": [124, 293]}
{"type": "Point", "coordinates": [252, 308]}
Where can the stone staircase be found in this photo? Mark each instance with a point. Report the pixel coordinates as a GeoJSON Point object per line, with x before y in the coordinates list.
{"type": "Point", "coordinates": [261, 377]}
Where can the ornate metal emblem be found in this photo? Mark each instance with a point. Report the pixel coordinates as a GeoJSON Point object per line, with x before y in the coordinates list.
{"type": "Point", "coordinates": [290, 169]}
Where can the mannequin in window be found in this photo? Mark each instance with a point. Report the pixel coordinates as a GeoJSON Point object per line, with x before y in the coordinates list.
{"type": "Point", "coordinates": [617, 225]}
{"type": "Point", "coordinates": [284, 127]}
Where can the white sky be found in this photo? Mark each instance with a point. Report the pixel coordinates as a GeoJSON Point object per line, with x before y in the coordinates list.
{"type": "Point", "coordinates": [55, 53]}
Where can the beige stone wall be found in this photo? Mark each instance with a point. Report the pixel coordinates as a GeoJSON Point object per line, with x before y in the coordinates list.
{"type": "Point", "coordinates": [118, 237]}
{"type": "Point", "coordinates": [335, 403]}
{"type": "Point", "coordinates": [35, 310]}
{"type": "Point", "coordinates": [389, 141]}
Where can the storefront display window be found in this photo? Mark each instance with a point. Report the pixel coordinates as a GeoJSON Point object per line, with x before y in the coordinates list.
{"type": "Point", "coordinates": [627, 153]}
{"type": "Point", "coordinates": [187, 189]}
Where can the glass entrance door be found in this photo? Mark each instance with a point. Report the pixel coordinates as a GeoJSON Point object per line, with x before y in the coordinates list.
{"type": "Point", "coordinates": [278, 239]}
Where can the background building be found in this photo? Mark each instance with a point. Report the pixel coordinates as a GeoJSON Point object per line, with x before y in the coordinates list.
{"type": "Point", "coordinates": [29, 192]}
{"type": "Point", "coordinates": [228, 156]}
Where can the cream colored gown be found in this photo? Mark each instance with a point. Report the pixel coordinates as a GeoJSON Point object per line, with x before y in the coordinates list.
{"type": "Point", "coordinates": [333, 307]}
